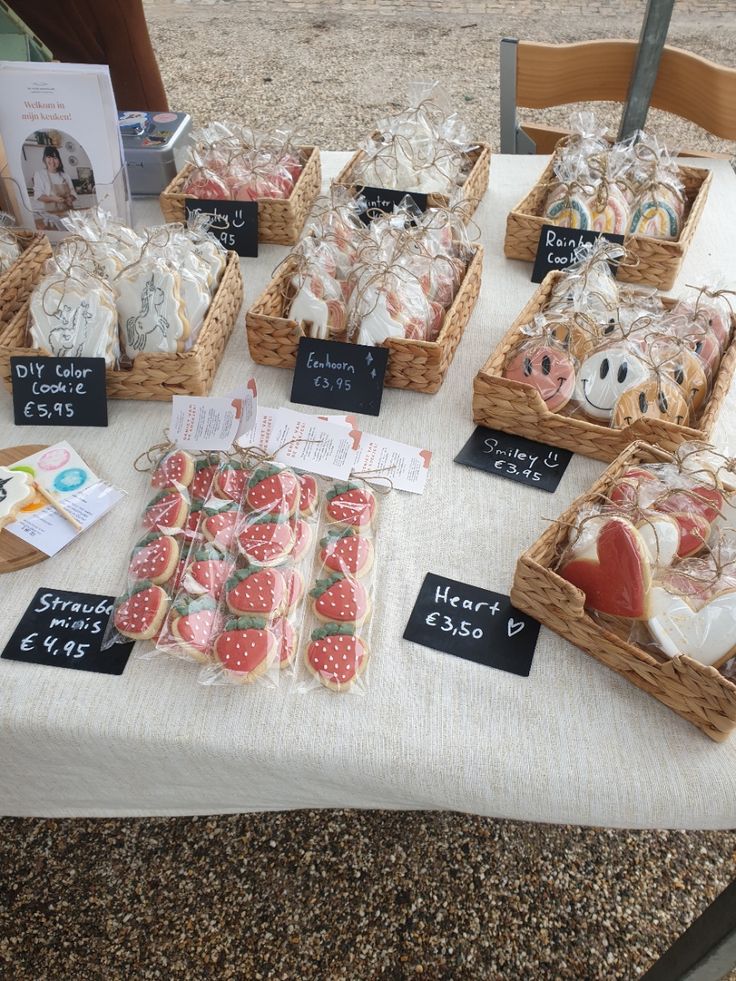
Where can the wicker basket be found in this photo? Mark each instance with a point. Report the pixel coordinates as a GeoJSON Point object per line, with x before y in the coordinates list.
{"type": "Point", "coordinates": [280, 220]}
{"type": "Point", "coordinates": [157, 377]}
{"type": "Point", "coordinates": [17, 282]}
{"type": "Point", "coordinates": [473, 189]}
{"type": "Point", "coordinates": [418, 365]}
{"type": "Point", "coordinates": [517, 408]}
{"type": "Point", "coordinates": [656, 262]}
{"type": "Point", "coordinates": [695, 691]}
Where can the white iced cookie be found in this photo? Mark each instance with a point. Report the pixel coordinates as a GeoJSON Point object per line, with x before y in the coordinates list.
{"type": "Point", "coordinates": [75, 319]}
{"type": "Point", "coordinates": [195, 298]}
{"type": "Point", "coordinates": [378, 325]}
{"type": "Point", "coordinates": [214, 258]}
{"type": "Point", "coordinates": [604, 376]}
{"type": "Point", "coordinates": [660, 536]}
{"type": "Point", "coordinates": [16, 490]}
{"type": "Point", "coordinates": [149, 309]}
{"type": "Point", "coordinates": [309, 309]}
{"type": "Point", "coordinates": [707, 635]}
{"type": "Point", "coordinates": [9, 251]}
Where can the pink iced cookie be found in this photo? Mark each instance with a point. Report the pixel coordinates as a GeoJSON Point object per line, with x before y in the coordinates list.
{"type": "Point", "coordinates": [549, 370]}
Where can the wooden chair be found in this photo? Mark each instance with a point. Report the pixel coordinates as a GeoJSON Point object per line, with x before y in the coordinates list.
{"type": "Point", "coordinates": [537, 76]}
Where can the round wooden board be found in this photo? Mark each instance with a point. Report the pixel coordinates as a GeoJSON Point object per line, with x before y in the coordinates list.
{"type": "Point", "coordinates": [15, 554]}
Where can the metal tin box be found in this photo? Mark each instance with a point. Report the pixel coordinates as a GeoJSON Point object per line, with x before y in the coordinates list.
{"type": "Point", "coordinates": [153, 143]}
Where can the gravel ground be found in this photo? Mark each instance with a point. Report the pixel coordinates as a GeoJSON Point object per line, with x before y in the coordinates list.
{"type": "Point", "coordinates": [359, 895]}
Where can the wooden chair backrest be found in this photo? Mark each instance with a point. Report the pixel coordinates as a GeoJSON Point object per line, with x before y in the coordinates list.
{"type": "Point", "coordinates": [599, 71]}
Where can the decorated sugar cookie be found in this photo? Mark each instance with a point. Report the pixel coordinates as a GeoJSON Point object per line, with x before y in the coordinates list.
{"type": "Point", "coordinates": [71, 318]}
{"type": "Point", "coordinates": [688, 373]}
{"type": "Point", "coordinates": [378, 324]}
{"type": "Point", "coordinates": [246, 648]}
{"type": "Point", "coordinates": [16, 490]}
{"type": "Point", "coordinates": [614, 215]}
{"type": "Point", "coordinates": [547, 369]}
{"type": "Point", "coordinates": [350, 503]}
{"type": "Point", "coordinates": [346, 551]}
{"type": "Point", "coordinates": [150, 310]}
{"type": "Point", "coordinates": [604, 376]}
{"type": "Point", "coordinates": [308, 494]}
{"type": "Point", "coordinates": [311, 310]}
{"type": "Point", "coordinates": [655, 398]}
{"type": "Point", "coordinates": [194, 623]}
{"type": "Point", "coordinates": [273, 490]}
{"type": "Point", "coordinates": [656, 217]}
{"type": "Point", "coordinates": [176, 469]}
{"type": "Point", "coordinates": [340, 598]}
{"type": "Point", "coordinates": [266, 540]}
{"type": "Point", "coordinates": [336, 656]}
{"type": "Point", "coordinates": [258, 591]}
{"type": "Point", "coordinates": [208, 571]}
{"type": "Point", "coordinates": [140, 613]}
{"type": "Point", "coordinates": [221, 523]}
{"type": "Point", "coordinates": [708, 635]}
{"type": "Point", "coordinates": [155, 558]}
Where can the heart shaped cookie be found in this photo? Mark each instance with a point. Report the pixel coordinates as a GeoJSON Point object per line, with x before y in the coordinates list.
{"type": "Point", "coordinates": [707, 635]}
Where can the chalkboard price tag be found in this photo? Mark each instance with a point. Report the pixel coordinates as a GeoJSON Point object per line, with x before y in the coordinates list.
{"type": "Point", "coordinates": [558, 247]}
{"type": "Point", "coordinates": [472, 623]}
{"type": "Point", "coordinates": [383, 199]}
{"type": "Point", "coordinates": [515, 458]}
{"type": "Point", "coordinates": [59, 391]}
{"type": "Point", "coordinates": [65, 630]}
{"type": "Point", "coordinates": [336, 375]}
{"type": "Point", "coordinates": [234, 223]}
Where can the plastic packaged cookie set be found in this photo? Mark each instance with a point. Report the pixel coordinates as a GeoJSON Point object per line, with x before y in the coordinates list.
{"type": "Point", "coordinates": [613, 354]}
{"type": "Point", "coordinates": [394, 278]}
{"type": "Point", "coordinates": [656, 557]}
{"type": "Point", "coordinates": [10, 250]}
{"type": "Point", "coordinates": [114, 293]}
{"type": "Point", "coordinates": [627, 188]}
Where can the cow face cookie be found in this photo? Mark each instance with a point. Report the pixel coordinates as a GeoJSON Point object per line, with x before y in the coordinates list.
{"type": "Point", "coordinates": [656, 398]}
{"type": "Point", "coordinates": [16, 490]}
{"type": "Point", "coordinates": [604, 376]}
{"type": "Point", "coordinates": [547, 369]}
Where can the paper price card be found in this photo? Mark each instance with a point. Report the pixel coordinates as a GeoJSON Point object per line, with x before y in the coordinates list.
{"type": "Point", "coordinates": [65, 630]}
{"type": "Point", "coordinates": [472, 623]}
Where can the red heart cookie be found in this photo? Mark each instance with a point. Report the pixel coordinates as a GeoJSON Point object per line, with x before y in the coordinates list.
{"type": "Point", "coordinates": [347, 551]}
{"type": "Point", "coordinates": [230, 482]}
{"type": "Point", "coordinates": [336, 656]}
{"type": "Point", "coordinates": [245, 648]}
{"type": "Point", "coordinates": [140, 613]}
{"type": "Point", "coordinates": [266, 540]}
{"type": "Point", "coordinates": [694, 511]}
{"type": "Point", "coordinates": [220, 524]}
{"type": "Point", "coordinates": [193, 624]}
{"type": "Point", "coordinates": [350, 504]}
{"type": "Point", "coordinates": [155, 558]}
{"type": "Point", "coordinates": [259, 591]}
{"type": "Point", "coordinates": [175, 470]}
{"type": "Point", "coordinates": [167, 512]}
{"type": "Point", "coordinates": [273, 490]}
{"type": "Point", "coordinates": [618, 582]}
{"type": "Point", "coordinates": [626, 489]}
{"type": "Point", "coordinates": [208, 571]}
{"type": "Point", "coordinates": [308, 494]}
{"type": "Point", "coordinates": [340, 598]}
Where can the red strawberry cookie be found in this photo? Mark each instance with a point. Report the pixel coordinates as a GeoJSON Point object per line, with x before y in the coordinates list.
{"type": "Point", "coordinates": [350, 503]}
{"type": "Point", "coordinates": [253, 590]}
{"type": "Point", "coordinates": [155, 558]}
{"type": "Point", "coordinates": [176, 469]}
{"type": "Point", "coordinates": [140, 613]}
{"type": "Point", "coordinates": [336, 656]}
{"type": "Point", "coordinates": [346, 550]}
{"type": "Point", "coordinates": [230, 482]}
{"type": "Point", "coordinates": [285, 637]}
{"type": "Point", "coordinates": [308, 494]}
{"type": "Point", "coordinates": [302, 539]}
{"type": "Point", "coordinates": [273, 490]}
{"type": "Point", "coordinates": [193, 624]}
{"type": "Point", "coordinates": [245, 648]}
{"type": "Point", "coordinates": [167, 512]}
{"type": "Point", "coordinates": [294, 587]}
{"type": "Point", "coordinates": [340, 598]}
{"type": "Point", "coordinates": [208, 571]}
{"type": "Point", "coordinates": [220, 523]}
{"type": "Point", "coordinates": [266, 540]}
{"type": "Point", "coordinates": [205, 473]}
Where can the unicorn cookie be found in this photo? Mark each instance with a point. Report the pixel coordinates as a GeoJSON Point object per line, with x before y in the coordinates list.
{"type": "Point", "coordinates": [75, 317]}
{"type": "Point", "coordinates": [150, 310]}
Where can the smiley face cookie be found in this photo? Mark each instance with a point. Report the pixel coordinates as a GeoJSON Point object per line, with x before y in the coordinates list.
{"type": "Point", "coordinates": [604, 376]}
{"type": "Point", "coordinates": [547, 369]}
{"type": "Point", "coordinates": [656, 398]}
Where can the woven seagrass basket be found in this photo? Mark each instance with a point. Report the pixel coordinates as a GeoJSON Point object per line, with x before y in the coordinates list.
{"type": "Point", "coordinates": [695, 691]}
{"type": "Point", "coordinates": [19, 279]}
{"type": "Point", "coordinates": [273, 339]}
{"type": "Point", "coordinates": [517, 408]}
{"type": "Point", "coordinates": [156, 377]}
{"type": "Point", "coordinates": [472, 190]}
{"type": "Point", "coordinates": [280, 220]}
{"type": "Point", "coordinates": [656, 262]}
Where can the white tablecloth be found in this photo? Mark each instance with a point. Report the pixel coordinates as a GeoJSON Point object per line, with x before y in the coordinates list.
{"type": "Point", "coordinates": [574, 742]}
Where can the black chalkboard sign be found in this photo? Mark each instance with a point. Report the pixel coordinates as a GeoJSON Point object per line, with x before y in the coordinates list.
{"type": "Point", "coordinates": [472, 623]}
{"type": "Point", "coordinates": [59, 391]}
{"type": "Point", "coordinates": [342, 376]}
{"type": "Point", "coordinates": [65, 630]}
{"type": "Point", "coordinates": [383, 199]}
{"type": "Point", "coordinates": [558, 247]}
{"type": "Point", "coordinates": [515, 458]}
{"type": "Point", "coordinates": [234, 223]}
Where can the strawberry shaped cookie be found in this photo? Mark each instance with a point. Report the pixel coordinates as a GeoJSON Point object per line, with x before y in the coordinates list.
{"type": "Point", "coordinates": [308, 494]}
{"type": "Point", "coordinates": [294, 587]}
{"type": "Point", "coordinates": [231, 480]}
{"type": "Point", "coordinates": [273, 490]}
{"type": "Point", "coordinates": [285, 637]}
{"type": "Point", "coordinates": [346, 550]}
{"type": "Point", "coordinates": [205, 473]}
{"type": "Point", "coordinates": [220, 523]}
{"type": "Point", "coordinates": [302, 538]}
{"type": "Point", "coordinates": [167, 512]}
{"type": "Point", "coordinates": [140, 613]}
{"type": "Point", "coordinates": [176, 469]}
{"type": "Point", "coordinates": [259, 591]}
{"type": "Point", "coordinates": [193, 625]}
{"type": "Point", "coordinates": [340, 598]}
{"type": "Point", "coordinates": [246, 648]}
{"type": "Point", "coordinates": [266, 540]}
{"type": "Point", "coordinates": [155, 558]}
{"type": "Point", "coordinates": [208, 571]}
{"type": "Point", "coordinates": [350, 503]}
{"type": "Point", "coordinates": [336, 656]}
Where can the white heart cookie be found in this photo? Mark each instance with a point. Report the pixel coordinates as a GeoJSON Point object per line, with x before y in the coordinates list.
{"type": "Point", "coordinates": [707, 635]}
{"type": "Point", "coordinates": [16, 490]}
